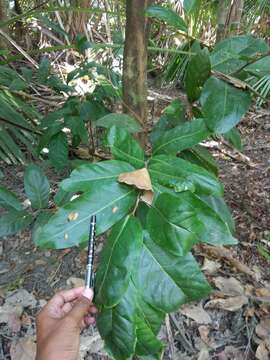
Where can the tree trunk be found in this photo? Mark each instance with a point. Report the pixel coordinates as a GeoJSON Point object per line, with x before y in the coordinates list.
{"type": "Point", "coordinates": [135, 60]}
{"type": "Point", "coordinates": [3, 17]}
{"type": "Point", "coordinates": [78, 20]}
{"type": "Point", "coordinates": [228, 18]}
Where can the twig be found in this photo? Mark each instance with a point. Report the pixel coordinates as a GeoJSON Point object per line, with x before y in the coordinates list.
{"type": "Point", "coordinates": [185, 343]}
{"type": "Point", "coordinates": [24, 53]}
{"type": "Point", "coordinates": [29, 96]}
{"type": "Point", "coordinates": [170, 337]}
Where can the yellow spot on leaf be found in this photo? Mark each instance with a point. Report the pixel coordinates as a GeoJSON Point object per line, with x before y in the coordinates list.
{"type": "Point", "coordinates": [114, 209]}
{"type": "Point", "coordinates": [66, 236]}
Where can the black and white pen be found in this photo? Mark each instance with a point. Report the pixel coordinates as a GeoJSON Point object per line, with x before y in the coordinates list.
{"type": "Point", "coordinates": [89, 276]}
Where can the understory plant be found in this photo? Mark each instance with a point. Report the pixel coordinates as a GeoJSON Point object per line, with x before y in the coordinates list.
{"type": "Point", "coordinates": [154, 202]}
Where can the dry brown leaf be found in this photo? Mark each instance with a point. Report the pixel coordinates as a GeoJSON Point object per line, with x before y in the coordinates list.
{"type": "Point", "coordinates": [23, 349]}
{"type": "Point", "coordinates": [196, 313]}
{"type": "Point", "coordinates": [263, 329]}
{"type": "Point", "coordinates": [263, 350]}
{"type": "Point", "coordinates": [147, 197]}
{"type": "Point", "coordinates": [75, 282]}
{"type": "Point", "coordinates": [231, 304]}
{"type": "Point", "coordinates": [210, 267]}
{"type": "Point", "coordinates": [204, 333]}
{"type": "Point", "coordinates": [138, 178]}
{"type": "Point", "coordinates": [229, 286]}
{"type": "Point", "coordinates": [263, 293]}
{"type": "Point", "coordinates": [221, 252]}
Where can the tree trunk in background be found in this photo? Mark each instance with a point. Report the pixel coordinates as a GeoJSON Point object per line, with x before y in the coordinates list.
{"type": "Point", "coordinates": [78, 20]}
{"type": "Point", "coordinates": [235, 16]}
{"type": "Point", "coordinates": [222, 14]}
{"type": "Point", "coordinates": [3, 17]}
{"type": "Point", "coordinates": [228, 18]}
{"type": "Point", "coordinates": [135, 60]}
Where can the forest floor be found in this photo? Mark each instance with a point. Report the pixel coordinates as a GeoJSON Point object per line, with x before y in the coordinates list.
{"type": "Point", "coordinates": [233, 323]}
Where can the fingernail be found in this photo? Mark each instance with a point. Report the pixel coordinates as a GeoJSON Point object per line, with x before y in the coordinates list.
{"type": "Point", "coordinates": [88, 293]}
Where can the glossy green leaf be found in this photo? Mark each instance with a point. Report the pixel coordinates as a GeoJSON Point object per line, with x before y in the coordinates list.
{"type": "Point", "coordinates": [181, 137]}
{"type": "Point", "coordinates": [8, 199]}
{"type": "Point", "coordinates": [233, 136]}
{"type": "Point", "coordinates": [199, 155]}
{"type": "Point", "coordinates": [70, 224]}
{"type": "Point", "coordinates": [198, 71]}
{"type": "Point", "coordinates": [173, 224]}
{"type": "Point", "coordinates": [168, 15]}
{"type": "Point", "coordinates": [172, 116]}
{"type": "Point", "coordinates": [167, 281]}
{"type": "Point", "coordinates": [181, 175]}
{"type": "Point", "coordinates": [37, 187]}
{"type": "Point", "coordinates": [218, 204]}
{"type": "Point", "coordinates": [259, 68]}
{"type": "Point", "coordinates": [124, 147]}
{"type": "Point", "coordinates": [14, 221]}
{"type": "Point", "coordinates": [121, 120]}
{"type": "Point", "coordinates": [118, 259]}
{"type": "Point", "coordinates": [231, 54]}
{"type": "Point", "coordinates": [117, 326]}
{"type": "Point", "coordinates": [86, 176]}
{"type": "Point", "coordinates": [58, 150]}
{"type": "Point", "coordinates": [223, 105]}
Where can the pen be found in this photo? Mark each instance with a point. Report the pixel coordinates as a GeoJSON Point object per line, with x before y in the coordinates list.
{"type": "Point", "coordinates": [89, 276]}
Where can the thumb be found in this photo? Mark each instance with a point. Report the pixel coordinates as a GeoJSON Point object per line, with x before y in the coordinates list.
{"type": "Point", "coordinates": [82, 306]}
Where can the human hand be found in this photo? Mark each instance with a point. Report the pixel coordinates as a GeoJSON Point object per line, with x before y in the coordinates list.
{"type": "Point", "coordinates": [60, 322]}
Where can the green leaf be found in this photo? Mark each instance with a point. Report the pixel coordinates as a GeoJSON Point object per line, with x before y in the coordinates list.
{"type": "Point", "coordinates": [41, 220]}
{"type": "Point", "coordinates": [232, 54]}
{"type": "Point", "coordinates": [13, 221]}
{"type": "Point", "coordinates": [259, 68]}
{"type": "Point", "coordinates": [17, 85]}
{"type": "Point", "coordinates": [198, 71]}
{"type": "Point", "coordinates": [8, 199]}
{"type": "Point", "coordinates": [199, 155]}
{"type": "Point", "coordinates": [170, 17]}
{"type": "Point", "coordinates": [218, 204]}
{"type": "Point", "coordinates": [62, 197]}
{"type": "Point", "coordinates": [182, 175]}
{"type": "Point", "coordinates": [43, 72]}
{"type": "Point", "coordinates": [173, 115]}
{"type": "Point", "coordinates": [109, 202]}
{"type": "Point", "coordinates": [191, 5]}
{"type": "Point", "coordinates": [77, 127]}
{"type": "Point", "coordinates": [86, 176]}
{"type": "Point", "coordinates": [233, 136]}
{"type": "Point", "coordinates": [37, 187]}
{"type": "Point", "coordinates": [174, 226]}
{"type": "Point", "coordinates": [167, 281]}
{"type": "Point", "coordinates": [181, 137]}
{"type": "Point", "coordinates": [121, 120]}
{"type": "Point", "coordinates": [118, 328]}
{"type": "Point", "coordinates": [58, 150]}
{"type": "Point", "coordinates": [124, 147]}
{"type": "Point", "coordinates": [223, 105]}
{"type": "Point", "coordinates": [119, 257]}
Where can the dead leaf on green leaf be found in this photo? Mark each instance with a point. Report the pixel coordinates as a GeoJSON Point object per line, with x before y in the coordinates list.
{"type": "Point", "coordinates": [138, 178]}
{"type": "Point", "coordinates": [231, 304]}
{"type": "Point", "coordinates": [147, 197]}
